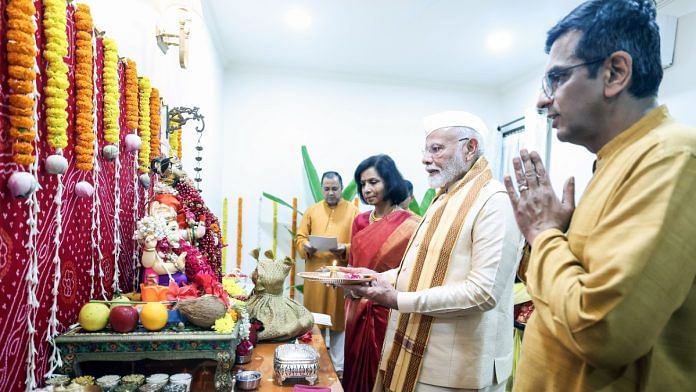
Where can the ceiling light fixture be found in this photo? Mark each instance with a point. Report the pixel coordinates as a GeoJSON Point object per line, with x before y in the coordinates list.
{"type": "Point", "coordinates": [298, 19]}
{"type": "Point", "coordinates": [499, 41]}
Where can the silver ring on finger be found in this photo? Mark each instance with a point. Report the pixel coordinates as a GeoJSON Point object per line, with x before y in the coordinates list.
{"type": "Point", "coordinates": [523, 188]}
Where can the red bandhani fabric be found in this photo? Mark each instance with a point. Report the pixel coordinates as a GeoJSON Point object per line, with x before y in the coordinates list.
{"type": "Point", "coordinates": [75, 250]}
{"type": "Point", "coordinates": [378, 246]}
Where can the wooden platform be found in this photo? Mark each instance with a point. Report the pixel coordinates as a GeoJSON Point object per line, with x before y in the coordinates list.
{"type": "Point", "coordinates": [262, 361]}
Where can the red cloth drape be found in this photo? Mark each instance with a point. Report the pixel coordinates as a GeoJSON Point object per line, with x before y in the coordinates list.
{"type": "Point", "coordinates": [76, 249]}
{"type": "Point", "coordinates": [378, 246]}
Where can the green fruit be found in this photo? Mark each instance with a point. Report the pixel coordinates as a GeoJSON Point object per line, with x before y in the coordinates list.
{"type": "Point", "coordinates": [120, 301]}
{"type": "Point", "coordinates": [94, 316]}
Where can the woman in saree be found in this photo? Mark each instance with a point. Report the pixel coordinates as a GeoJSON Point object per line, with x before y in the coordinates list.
{"type": "Point", "coordinates": [379, 240]}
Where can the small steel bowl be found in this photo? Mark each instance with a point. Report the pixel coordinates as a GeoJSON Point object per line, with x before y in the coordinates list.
{"type": "Point", "coordinates": [248, 380]}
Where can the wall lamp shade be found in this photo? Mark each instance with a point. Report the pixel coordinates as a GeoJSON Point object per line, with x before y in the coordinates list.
{"type": "Point", "coordinates": [173, 30]}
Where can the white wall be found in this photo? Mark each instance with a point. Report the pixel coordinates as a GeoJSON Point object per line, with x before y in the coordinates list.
{"type": "Point", "coordinates": [678, 92]}
{"type": "Point", "coordinates": [678, 89]}
{"type": "Point", "coordinates": [270, 114]}
{"type": "Point", "coordinates": [132, 24]}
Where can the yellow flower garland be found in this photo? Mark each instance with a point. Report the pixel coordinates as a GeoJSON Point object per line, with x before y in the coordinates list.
{"type": "Point", "coordinates": [155, 123]}
{"type": "Point", "coordinates": [56, 91]}
{"type": "Point", "coordinates": [112, 95]}
{"type": "Point", "coordinates": [21, 57]}
{"type": "Point", "coordinates": [239, 232]}
{"type": "Point", "coordinates": [178, 144]}
{"type": "Point", "coordinates": [84, 149]}
{"type": "Point", "coordinates": [174, 137]}
{"type": "Point", "coordinates": [131, 95]}
{"type": "Point", "coordinates": [144, 123]}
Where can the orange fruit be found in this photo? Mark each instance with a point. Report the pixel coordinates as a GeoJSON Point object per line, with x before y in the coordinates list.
{"type": "Point", "coordinates": [154, 316]}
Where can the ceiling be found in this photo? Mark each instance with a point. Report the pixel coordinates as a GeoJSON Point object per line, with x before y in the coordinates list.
{"type": "Point", "coordinates": [439, 42]}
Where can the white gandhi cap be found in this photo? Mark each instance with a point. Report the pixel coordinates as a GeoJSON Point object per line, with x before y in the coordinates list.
{"type": "Point", "coordinates": [454, 118]}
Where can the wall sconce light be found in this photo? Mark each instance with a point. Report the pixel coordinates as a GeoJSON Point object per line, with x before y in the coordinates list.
{"type": "Point", "coordinates": [173, 30]}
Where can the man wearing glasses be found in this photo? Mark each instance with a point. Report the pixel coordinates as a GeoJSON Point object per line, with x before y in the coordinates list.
{"type": "Point", "coordinates": [612, 280]}
{"type": "Point", "coordinates": [451, 327]}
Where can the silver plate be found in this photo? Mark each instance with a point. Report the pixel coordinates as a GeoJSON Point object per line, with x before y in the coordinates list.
{"type": "Point", "coordinates": [340, 278]}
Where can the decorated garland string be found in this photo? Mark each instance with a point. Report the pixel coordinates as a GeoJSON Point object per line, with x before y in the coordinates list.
{"type": "Point", "coordinates": [84, 90]}
{"type": "Point", "coordinates": [21, 69]}
{"type": "Point", "coordinates": [155, 123]}
{"type": "Point", "coordinates": [239, 233]}
{"type": "Point", "coordinates": [56, 91]}
{"type": "Point", "coordinates": [144, 92]}
{"type": "Point", "coordinates": [111, 92]}
{"type": "Point", "coordinates": [112, 129]}
{"type": "Point", "coordinates": [131, 95]}
{"type": "Point", "coordinates": [225, 217]}
{"type": "Point", "coordinates": [136, 215]}
{"type": "Point", "coordinates": [174, 137]}
{"type": "Point", "coordinates": [94, 157]}
{"type": "Point", "coordinates": [178, 143]}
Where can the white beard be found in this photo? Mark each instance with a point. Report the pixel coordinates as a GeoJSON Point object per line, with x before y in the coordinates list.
{"type": "Point", "coordinates": [452, 171]}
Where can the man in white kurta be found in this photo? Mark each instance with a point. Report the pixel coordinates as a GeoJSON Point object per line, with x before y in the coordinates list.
{"type": "Point", "coordinates": [451, 325]}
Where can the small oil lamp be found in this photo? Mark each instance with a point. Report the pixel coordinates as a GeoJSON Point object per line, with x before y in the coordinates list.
{"type": "Point", "coordinates": [333, 271]}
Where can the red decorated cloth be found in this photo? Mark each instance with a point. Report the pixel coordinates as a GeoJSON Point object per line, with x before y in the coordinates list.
{"type": "Point", "coordinates": [378, 246]}
{"type": "Point", "coordinates": [76, 251]}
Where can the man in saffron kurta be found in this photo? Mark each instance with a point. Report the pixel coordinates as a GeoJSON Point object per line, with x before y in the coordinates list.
{"type": "Point", "coordinates": [613, 280]}
{"type": "Point", "coordinates": [332, 217]}
{"type": "Point", "coordinates": [451, 322]}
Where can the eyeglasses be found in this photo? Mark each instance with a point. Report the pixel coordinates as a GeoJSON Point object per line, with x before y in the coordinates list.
{"type": "Point", "coordinates": [554, 78]}
{"type": "Point", "coordinates": [435, 149]}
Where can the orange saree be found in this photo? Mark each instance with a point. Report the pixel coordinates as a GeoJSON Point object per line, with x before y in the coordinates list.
{"type": "Point", "coordinates": [378, 246]}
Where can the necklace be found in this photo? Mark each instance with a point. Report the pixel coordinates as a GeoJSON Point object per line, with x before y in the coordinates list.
{"type": "Point", "coordinates": [374, 218]}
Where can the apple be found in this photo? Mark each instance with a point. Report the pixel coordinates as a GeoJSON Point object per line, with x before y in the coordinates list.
{"type": "Point", "coordinates": [123, 319]}
{"type": "Point", "coordinates": [93, 316]}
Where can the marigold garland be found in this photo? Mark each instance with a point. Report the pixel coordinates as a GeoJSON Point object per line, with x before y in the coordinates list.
{"type": "Point", "coordinates": [56, 91]}
{"type": "Point", "coordinates": [144, 123]}
{"type": "Point", "coordinates": [21, 57]}
{"type": "Point", "coordinates": [225, 211]}
{"type": "Point", "coordinates": [111, 92]}
{"type": "Point", "coordinates": [84, 150]}
{"type": "Point", "coordinates": [239, 232]}
{"type": "Point", "coordinates": [131, 95]}
{"type": "Point", "coordinates": [155, 123]}
{"type": "Point", "coordinates": [174, 138]}
{"type": "Point", "coordinates": [178, 144]}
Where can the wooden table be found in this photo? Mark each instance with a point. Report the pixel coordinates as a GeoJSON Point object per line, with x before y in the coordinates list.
{"type": "Point", "coordinates": [78, 346]}
{"type": "Point", "coordinates": [262, 361]}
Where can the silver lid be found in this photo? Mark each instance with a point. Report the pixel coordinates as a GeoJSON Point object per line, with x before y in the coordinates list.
{"type": "Point", "coordinates": [296, 353]}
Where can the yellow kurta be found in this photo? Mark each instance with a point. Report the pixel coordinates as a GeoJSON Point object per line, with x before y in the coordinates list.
{"type": "Point", "coordinates": [615, 299]}
{"type": "Point", "coordinates": [320, 219]}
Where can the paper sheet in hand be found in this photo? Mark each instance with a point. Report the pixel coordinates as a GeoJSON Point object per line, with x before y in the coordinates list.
{"type": "Point", "coordinates": [323, 243]}
{"type": "Point", "coordinates": [322, 319]}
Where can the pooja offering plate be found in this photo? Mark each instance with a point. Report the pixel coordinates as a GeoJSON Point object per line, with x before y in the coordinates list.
{"type": "Point", "coordinates": [336, 277]}
{"type": "Point", "coordinates": [295, 361]}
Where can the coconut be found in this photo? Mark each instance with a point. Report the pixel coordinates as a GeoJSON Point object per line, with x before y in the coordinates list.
{"type": "Point", "coordinates": [202, 312]}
